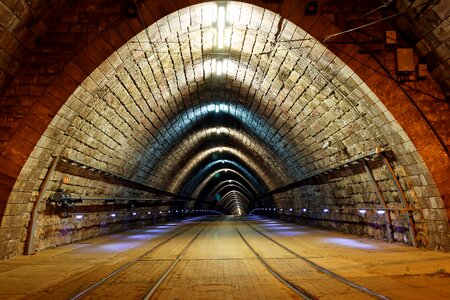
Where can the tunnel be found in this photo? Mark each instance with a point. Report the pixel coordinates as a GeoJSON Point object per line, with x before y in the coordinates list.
{"type": "Point", "coordinates": [320, 126]}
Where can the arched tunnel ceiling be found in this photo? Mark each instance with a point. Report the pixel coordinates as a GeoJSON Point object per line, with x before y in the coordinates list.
{"type": "Point", "coordinates": [288, 106]}
{"type": "Point", "coordinates": [125, 130]}
{"type": "Point", "coordinates": [281, 95]}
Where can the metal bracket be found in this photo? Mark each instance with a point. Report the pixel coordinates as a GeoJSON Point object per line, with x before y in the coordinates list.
{"type": "Point", "coordinates": [34, 215]}
{"type": "Point", "coordinates": [403, 199]}
{"type": "Point", "coordinates": [62, 199]}
{"type": "Point", "coordinates": [381, 199]}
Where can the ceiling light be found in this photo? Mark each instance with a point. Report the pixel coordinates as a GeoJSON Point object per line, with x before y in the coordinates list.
{"type": "Point", "coordinates": [304, 210]}
{"type": "Point", "coordinates": [362, 211]}
{"type": "Point", "coordinates": [325, 210]}
{"type": "Point", "coordinates": [219, 68]}
{"type": "Point", "coordinates": [380, 212]}
{"type": "Point", "coordinates": [220, 26]}
{"type": "Point", "coordinates": [213, 65]}
{"type": "Point", "coordinates": [79, 217]}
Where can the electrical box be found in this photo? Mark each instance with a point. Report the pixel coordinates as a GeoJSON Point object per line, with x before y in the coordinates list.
{"type": "Point", "coordinates": [422, 71]}
{"type": "Point", "coordinates": [391, 37]}
{"type": "Point", "coordinates": [405, 64]}
{"type": "Point", "coordinates": [405, 60]}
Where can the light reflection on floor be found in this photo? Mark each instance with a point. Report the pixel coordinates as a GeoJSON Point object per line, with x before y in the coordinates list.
{"type": "Point", "coordinates": [110, 247]}
{"type": "Point", "coordinates": [281, 228]}
{"type": "Point", "coordinates": [125, 242]}
{"type": "Point", "coordinates": [351, 243]}
{"type": "Point", "coordinates": [160, 227]}
{"type": "Point", "coordinates": [144, 236]}
{"type": "Point", "coordinates": [284, 230]}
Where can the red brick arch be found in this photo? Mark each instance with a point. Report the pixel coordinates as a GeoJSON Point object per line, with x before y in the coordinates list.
{"type": "Point", "coordinates": [45, 106]}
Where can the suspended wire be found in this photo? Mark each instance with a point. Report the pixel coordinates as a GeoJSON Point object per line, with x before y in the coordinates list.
{"type": "Point", "coordinates": [384, 5]}
{"type": "Point", "coordinates": [326, 38]}
{"type": "Point", "coordinates": [378, 21]}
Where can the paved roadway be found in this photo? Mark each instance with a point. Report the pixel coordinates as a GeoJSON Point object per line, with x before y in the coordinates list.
{"type": "Point", "coordinates": [216, 263]}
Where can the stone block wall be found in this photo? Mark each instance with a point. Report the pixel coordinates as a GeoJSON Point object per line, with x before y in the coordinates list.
{"type": "Point", "coordinates": [109, 101]}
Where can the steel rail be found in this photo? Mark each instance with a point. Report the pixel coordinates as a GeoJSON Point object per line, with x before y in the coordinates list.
{"type": "Point", "coordinates": [150, 291]}
{"type": "Point", "coordinates": [298, 290]}
{"type": "Point", "coordinates": [125, 266]}
{"type": "Point", "coordinates": [322, 269]}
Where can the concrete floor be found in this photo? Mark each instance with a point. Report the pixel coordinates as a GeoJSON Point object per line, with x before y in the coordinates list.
{"type": "Point", "coordinates": [219, 265]}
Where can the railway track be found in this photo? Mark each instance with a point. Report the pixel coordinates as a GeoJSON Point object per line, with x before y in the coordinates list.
{"type": "Point", "coordinates": [149, 293]}
{"type": "Point", "coordinates": [86, 292]}
{"type": "Point", "coordinates": [299, 290]}
{"type": "Point", "coordinates": [303, 289]}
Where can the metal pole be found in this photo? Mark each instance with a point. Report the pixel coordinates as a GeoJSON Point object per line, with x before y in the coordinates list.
{"type": "Point", "coordinates": [381, 199]}
{"type": "Point", "coordinates": [403, 199]}
{"type": "Point", "coordinates": [37, 203]}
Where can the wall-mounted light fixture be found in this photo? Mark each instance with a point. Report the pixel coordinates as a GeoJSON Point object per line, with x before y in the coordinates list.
{"type": "Point", "coordinates": [131, 10]}
{"type": "Point", "coordinates": [311, 8]}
